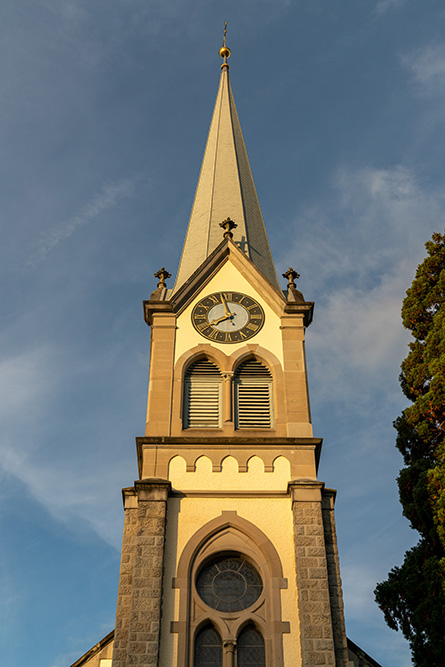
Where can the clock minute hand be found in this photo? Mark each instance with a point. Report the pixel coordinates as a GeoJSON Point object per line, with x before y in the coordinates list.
{"type": "Point", "coordinates": [226, 308]}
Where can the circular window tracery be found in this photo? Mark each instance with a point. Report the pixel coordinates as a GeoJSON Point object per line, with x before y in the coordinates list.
{"type": "Point", "coordinates": [229, 583]}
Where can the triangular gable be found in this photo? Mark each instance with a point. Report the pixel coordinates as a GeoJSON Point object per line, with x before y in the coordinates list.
{"type": "Point", "coordinates": [227, 251]}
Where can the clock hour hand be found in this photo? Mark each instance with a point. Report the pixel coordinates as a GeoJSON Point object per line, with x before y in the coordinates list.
{"type": "Point", "coordinates": [220, 319]}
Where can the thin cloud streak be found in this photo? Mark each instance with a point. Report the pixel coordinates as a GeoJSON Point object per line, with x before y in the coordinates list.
{"type": "Point", "coordinates": [107, 198]}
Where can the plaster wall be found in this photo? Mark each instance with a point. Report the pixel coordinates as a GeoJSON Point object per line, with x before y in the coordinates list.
{"type": "Point", "coordinates": [255, 479]}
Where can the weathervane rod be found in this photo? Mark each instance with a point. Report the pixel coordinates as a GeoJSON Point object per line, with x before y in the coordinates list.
{"type": "Point", "coordinates": [225, 33]}
{"type": "Point", "coordinates": [224, 51]}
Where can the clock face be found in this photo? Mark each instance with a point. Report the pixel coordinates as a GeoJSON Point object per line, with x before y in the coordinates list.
{"type": "Point", "coordinates": [228, 317]}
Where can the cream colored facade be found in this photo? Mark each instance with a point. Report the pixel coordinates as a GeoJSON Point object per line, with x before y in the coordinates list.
{"type": "Point", "coordinates": [271, 515]}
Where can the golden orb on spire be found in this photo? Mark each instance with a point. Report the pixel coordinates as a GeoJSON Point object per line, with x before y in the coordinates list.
{"type": "Point", "coordinates": [225, 52]}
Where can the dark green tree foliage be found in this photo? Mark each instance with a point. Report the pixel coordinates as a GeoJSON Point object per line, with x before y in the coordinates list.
{"type": "Point", "coordinates": [413, 597]}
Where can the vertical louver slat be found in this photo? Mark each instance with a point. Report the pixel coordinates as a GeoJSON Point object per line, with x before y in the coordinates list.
{"type": "Point", "coordinates": [253, 395]}
{"type": "Point", "coordinates": [202, 395]}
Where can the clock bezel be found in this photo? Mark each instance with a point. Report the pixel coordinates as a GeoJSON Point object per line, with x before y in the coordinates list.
{"type": "Point", "coordinates": [253, 326]}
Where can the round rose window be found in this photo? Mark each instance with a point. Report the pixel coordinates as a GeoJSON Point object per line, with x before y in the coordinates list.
{"type": "Point", "coordinates": [229, 584]}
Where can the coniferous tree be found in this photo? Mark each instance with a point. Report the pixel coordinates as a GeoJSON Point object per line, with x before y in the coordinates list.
{"type": "Point", "coordinates": [413, 597]}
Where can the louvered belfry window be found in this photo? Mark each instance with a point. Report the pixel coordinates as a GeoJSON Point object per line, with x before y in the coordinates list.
{"type": "Point", "coordinates": [253, 395]}
{"type": "Point", "coordinates": [202, 395]}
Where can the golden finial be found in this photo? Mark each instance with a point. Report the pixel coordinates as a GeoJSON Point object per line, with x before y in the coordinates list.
{"type": "Point", "coordinates": [224, 51]}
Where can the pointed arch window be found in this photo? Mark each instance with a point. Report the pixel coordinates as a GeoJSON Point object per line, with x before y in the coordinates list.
{"type": "Point", "coordinates": [229, 578]}
{"type": "Point", "coordinates": [208, 648]}
{"type": "Point", "coordinates": [253, 395]}
{"type": "Point", "coordinates": [251, 651]}
{"type": "Point", "coordinates": [202, 395]}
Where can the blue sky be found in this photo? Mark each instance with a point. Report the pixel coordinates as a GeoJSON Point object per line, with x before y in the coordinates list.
{"type": "Point", "coordinates": [103, 120]}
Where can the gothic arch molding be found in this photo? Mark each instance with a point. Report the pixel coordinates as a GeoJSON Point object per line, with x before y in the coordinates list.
{"type": "Point", "coordinates": [199, 352]}
{"type": "Point", "coordinates": [260, 353]}
{"type": "Point", "coordinates": [230, 534]}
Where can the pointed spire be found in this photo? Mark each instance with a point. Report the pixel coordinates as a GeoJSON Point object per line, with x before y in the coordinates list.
{"type": "Point", "coordinates": [225, 189]}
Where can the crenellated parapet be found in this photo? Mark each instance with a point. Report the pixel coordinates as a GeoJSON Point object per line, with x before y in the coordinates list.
{"type": "Point", "coordinates": [155, 455]}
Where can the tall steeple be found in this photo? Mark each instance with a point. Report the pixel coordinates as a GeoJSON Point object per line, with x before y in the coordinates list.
{"type": "Point", "coordinates": [225, 189]}
{"type": "Point", "coordinates": [229, 552]}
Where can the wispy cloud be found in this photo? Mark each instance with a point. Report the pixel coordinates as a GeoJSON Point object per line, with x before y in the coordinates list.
{"type": "Point", "coordinates": [29, 385]}
{"type": "Point", "coordinates": [427, 68]}
{"type": "Point", "coordinates": [384, 6]}
{"type": "Point", "coordinates": [25, 380]}
{"type": "Point", "coordinates": [74, 487]}
{"type": "Point", "coordinates": [107, 198]}
{"type": "Point", "coordinates": [361, 248]}
{"type": "Point", "coordinates": [359, 335]}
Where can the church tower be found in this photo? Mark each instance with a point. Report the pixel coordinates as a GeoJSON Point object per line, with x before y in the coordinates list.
{"type": "Point", "coordinates": [229, 555]}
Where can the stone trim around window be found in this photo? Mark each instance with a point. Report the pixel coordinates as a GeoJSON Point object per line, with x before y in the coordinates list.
{"type": "Point", "coordinates": [230, 534]}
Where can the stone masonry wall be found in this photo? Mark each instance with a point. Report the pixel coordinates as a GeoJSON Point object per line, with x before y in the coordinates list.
{"type": "Point", "coordinates": [125, 588]}
{"type": "Point", "coordinates": [317, 644]}
{"type": "Point", "coordinates": [138, 612]}
{"type": "Point", "coordinates": [335, 591]}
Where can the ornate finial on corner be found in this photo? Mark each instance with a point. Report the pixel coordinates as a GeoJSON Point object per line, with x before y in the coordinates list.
{"type": "Point", "coordinates": [291, 275]}
{"type": "Point", "coordinates": [162, 276]}
{"type": "Point", "coordinates": [224, 51]}
{"type": "Point", "coordinates": [293, 295]}
{"type": "Point", "coordinates": [228, 225]}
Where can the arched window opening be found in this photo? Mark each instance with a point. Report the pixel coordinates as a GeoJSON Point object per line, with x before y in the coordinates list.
{"type": "Point", "coordinates": [202, 395]}
{"type": "Point", "coordinates": [208, 648]}
{"type": "Point", "coordinates": [229, 578]}
{"type": "Point", "coordinates": [253, 395]}
{"type": "Point", "coordinates": [250, 648]}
